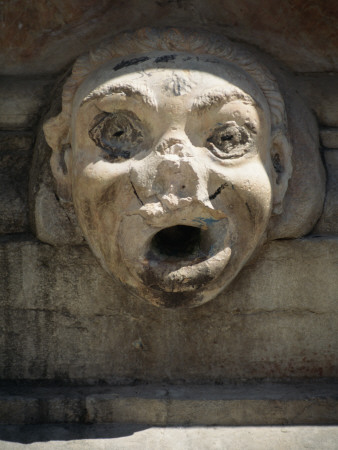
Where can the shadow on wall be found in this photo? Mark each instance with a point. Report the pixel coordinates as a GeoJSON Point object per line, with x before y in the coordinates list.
{"type": "Point", "coordinates": [28, 434]}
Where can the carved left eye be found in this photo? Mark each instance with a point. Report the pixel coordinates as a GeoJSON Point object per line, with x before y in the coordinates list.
{"type": "Point", "coordinates": [229, 141]}
{"type": "Point", "coordinates": [118, 134]}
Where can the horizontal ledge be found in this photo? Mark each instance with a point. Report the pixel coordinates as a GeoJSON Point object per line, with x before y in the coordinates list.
{"type": "Point", "coordinates": [259, 403]}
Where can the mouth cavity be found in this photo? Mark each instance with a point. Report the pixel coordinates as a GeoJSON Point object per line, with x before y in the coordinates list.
{"type": "Point", "coordinates": [178, 242]}
{"type": "Point", "coordinates": [182, 259]}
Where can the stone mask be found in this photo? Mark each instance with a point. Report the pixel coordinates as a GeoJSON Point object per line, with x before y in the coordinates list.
{"type": "Point", "coordinates": [174, 168]}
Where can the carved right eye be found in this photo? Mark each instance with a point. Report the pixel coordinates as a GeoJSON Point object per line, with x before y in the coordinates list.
{"type": "Point", "coordinates": [229, 141]}
{"type": "Point", "coordinates": [119, 134]}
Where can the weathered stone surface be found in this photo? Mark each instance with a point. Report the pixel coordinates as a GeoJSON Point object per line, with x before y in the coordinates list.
{"type": "Point", "coordinates": [53, 224]}
{"type": "Point", "coordinates": [320, 91]}
{"type": "Point", "coordinates": [138, 437]}
{"type": "Point", "coordinates": [179, 162]}
{"type": "Point", "coordinates": [13, 209]}
{"type": "Point", "coordinates": [301, 34]}
{"type": "Point", "coordinates": [329, 137]}
{"type": "Point", "coordinates": [50, 222]}
{"type": "Point", "coordinates": [15, 158]}
{"type": "Point", "coordinates": [328, 223]}
{"type": "Point", "coordinates": [64, 318]}
{"type": "Point", "coordinates": [21, 101]}
{"type": "Point", "coordinates": [257, 403]}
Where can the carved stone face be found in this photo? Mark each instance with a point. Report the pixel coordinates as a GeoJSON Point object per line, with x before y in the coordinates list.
{"type": "Point", "coordinates": [171, 173]}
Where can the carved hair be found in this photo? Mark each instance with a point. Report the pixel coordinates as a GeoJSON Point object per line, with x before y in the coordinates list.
{"type": "Point", "coordinates": [173, 40]}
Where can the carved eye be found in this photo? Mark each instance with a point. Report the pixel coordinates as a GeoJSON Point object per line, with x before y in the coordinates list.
{"type": "Point", "coordinates": [229, 141]}
{"type": "Point", "coordinates": [118, 134]}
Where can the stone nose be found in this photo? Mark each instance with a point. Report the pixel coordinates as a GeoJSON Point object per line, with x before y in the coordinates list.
{"type": "Point", "coordinates": [175, 179]}
{"type": "Point", "coordinates": [172, 174]}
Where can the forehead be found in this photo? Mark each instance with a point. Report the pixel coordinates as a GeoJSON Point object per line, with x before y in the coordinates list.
{"type": "Point", "coordinates": [161, 75]}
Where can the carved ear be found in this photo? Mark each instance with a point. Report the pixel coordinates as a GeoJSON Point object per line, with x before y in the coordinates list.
{"type": "Point", "coordinates": [281, 160]}
{"type": "Point", "coordinates": [57, 136]}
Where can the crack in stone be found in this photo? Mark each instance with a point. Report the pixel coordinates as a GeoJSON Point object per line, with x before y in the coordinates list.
{"type": "Point", "coordinates": [248, 208]}
{"type": "Point", "coordinates": [138, 198]}
{"type": "Point", "coordinates": [218, 191]}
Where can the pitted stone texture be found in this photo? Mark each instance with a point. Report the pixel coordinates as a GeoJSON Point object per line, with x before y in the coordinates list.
{"type": "Point", "coordinates": [71, 321]}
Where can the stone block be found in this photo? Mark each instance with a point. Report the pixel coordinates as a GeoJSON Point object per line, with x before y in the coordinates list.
{"type": "Point", "coordinates": [64, 318]}
{"type": "Point", "coordinates": [15, 157]}
{"type": "Point", "coordinates": [328, 223]}
{"type": "Point", "coordinates": [21, 101]}
{"type": "Point", "coordinates": [255, 403]}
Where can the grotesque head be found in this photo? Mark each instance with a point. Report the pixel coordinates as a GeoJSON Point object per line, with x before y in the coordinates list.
{"type": "Point", "coordinates": [173, 149]}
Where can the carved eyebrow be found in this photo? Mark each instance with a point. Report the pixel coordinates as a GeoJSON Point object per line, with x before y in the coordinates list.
{"type": "Point", "coordinates": [142, 93]}
{"type": "Point", "coordinates": [217, 98]}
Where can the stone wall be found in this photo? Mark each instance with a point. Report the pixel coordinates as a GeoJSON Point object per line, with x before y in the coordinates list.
{"type": "Point", "coordinates": [63, 317]}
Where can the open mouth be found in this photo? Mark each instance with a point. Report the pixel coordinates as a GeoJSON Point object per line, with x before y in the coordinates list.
{"type": "Point", "coordinates": [182, 258]}
{"type": "Point", "coordinates": [176, 243]}
{"type": "Point", "coordinates": [173, 258]}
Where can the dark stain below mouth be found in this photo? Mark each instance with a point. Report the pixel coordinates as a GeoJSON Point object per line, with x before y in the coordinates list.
{"type": "Point", "coordinates": [175, 299]}
{"type": "Point", "coordinates": [169, 295]}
